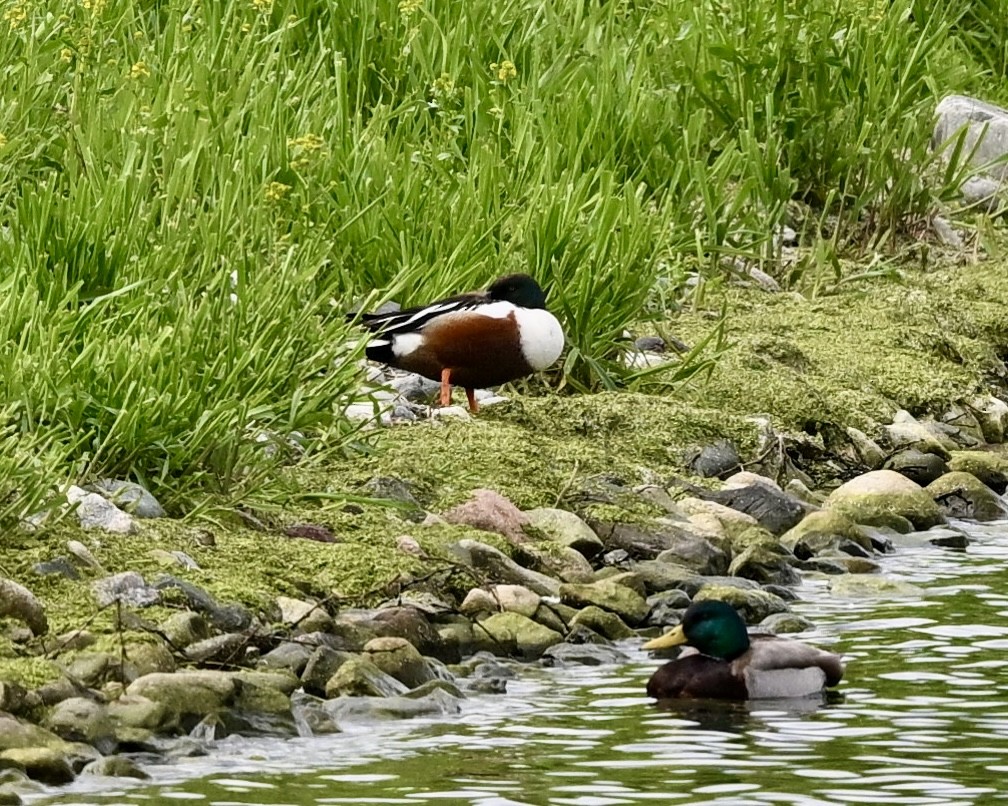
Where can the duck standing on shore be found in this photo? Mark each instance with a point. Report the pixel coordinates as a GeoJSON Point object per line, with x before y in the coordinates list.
{"type": "Point", "coordinates": [722, 661]}
{"type": "Point", "coordinates": [472, 340]}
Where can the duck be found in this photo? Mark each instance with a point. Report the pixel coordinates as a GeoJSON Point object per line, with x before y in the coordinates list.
{"type": "Point", "coordinates": [473, 340]}
{"type": "Point", "coordinates": [723, 661]}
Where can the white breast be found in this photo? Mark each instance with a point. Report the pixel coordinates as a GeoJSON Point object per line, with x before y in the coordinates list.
{"type": "Point", "coordinates": [542, 338]}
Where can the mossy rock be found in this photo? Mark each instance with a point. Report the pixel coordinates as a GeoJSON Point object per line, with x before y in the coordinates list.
{"type": "Point", "coordinates": [881, 497]}
{"type": "Point", "coordinates": [990, 467]}
{"type": "Point", "coordinates": [609, 595]}
{"type": "Point", "coordinates": [823, 531]}
{"type": "Point", "coordinates": [754, 604]}
{"type": "Point", "coordinates": [963, 495]}
{"type": "Point", "coordinates": [400, 659]}
{"type": "Point", "coordinates": [359, 677]}
{"type": "Point", "coordinates": [516, 635]}
{"type": "Point", "coordinates": [603, 622]}
{"type": "Point", "coordinates": [44, 764]}
{"type": "Point", "coordinates": [189, 692]}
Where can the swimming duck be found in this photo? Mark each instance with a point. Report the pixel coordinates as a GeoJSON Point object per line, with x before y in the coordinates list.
{"type": "Point", "coordinates": [722, 661]}
{"type": "Point", "coordinates": [477, 339]}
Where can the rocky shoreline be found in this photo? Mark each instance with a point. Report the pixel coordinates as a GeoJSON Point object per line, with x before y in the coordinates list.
{"type": "Point", "coordinates": [546, 584]}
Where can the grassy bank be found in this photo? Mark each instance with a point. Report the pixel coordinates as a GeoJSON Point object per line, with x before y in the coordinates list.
{"type": "Point", "coordinates": [192, 194]}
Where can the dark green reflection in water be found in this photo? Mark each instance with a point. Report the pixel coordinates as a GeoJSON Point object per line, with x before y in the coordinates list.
{"type": "Point", "coordinates": [922, 719]}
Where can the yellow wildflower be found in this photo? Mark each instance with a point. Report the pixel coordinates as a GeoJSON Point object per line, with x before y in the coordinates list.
{"type": "Point", "coordinates": [276, 191]}
{"type": "Point", "coordinates": [443, 86]}
{"type": "Point", "coordinates": [506, 70]}
{"type": "Point", "coordinates": [408, 7]}
{"type": "Point", "coordinates": [66, 55]}
{"type": "Point", "coordinates": [263, 6]}
{"type": "Point", "coordinates": [3, 141]}
{"type": "Point", "coordinates": [139, 70]}
{"type": "Point", "coordinates": [246, 27]}
{"type": "Point", "coordinates": [94, 6]}
{"type": "Point", "coordinates": [15, 15]}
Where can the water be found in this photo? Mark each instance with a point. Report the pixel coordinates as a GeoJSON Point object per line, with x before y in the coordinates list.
{"type": "Point", "coordinates": [922, 718]}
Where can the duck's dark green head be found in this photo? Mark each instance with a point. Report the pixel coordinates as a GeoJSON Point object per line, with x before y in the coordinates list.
{"type": "Point", "coordinates": [518, 289]}
{"type": "Point", "coordinates": [714, 628]}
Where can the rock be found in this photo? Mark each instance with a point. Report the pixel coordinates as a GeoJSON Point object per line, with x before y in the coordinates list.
{"type": "Point", "coordinates": [128, 587]}
{"type": "Point", "coordinates": [228, 617]}
{"type": "Point", "coordinates": [188, 693]}
{"type": "Point", "coordinates": [609, 595]}
{"type": "Point", "coordinates": [307, 616]}
{"type": "Point", "coordinates": [967, 427]}
{"type": "Point", "coordinates": [860, 586]}
{"type": "Point", "coordinates": [183, 628]}
{"type": "Point", "coordinates": [583, 655]}
{"type": "Point", "coordinates": [399, 658]}
{"type": "Point", "coordinates": [14, 698]}
{"type": "Point", "coordinates": [516, 599]}
{"type": "Point", "coordinates": [310, 716]}
{"type": "Point", "coordinates": [409, 545]}
{"type": "Point", "coordinates": [8, 795]}
{"type": "Point", "coordinates": [661, 575]}
{"type": "Point", "coordinates": [822, 531]}
{"type": "Point", "coordinates": [348, 633]}
{"type": "Point", "coordinates": [82, 720]}
{"type": "Point", "coordinates": [478, 602]}
{"type": "Point", "coordinates": [219, 650]}
{"type": "Point", "coordinates": [136, 712]}
{"type": "Point", "coordinates": [95, 512]}
{"type": "Point", "coordinates": [644, 542]}
{"type": "Point", "coordinates": [667, 608]}
{"type": "Point", "coordinates": [963, 495]}
{"type": "Point", "coordinates": [700, 512]}
{"type": "Point", "coordinates": [754, 605]}
{"type": "Point", "coordinates": [773, 509]}
{"type": "Point", "coordinates": [115, 767]}
{"type": "Point", "coordinates": [921, 468]}
{"type": "Point", "coordinates": [321, 666]}
{"type": "Point", "coordinates": [875, 497]}
{"type": "Point", "coordinates": [986, 140]}
{"type": "Point", "coordinates": [603, 622]}
{"type": "Point", "coordinates": [84, 555]}
{"type": "Point", "coordinates": [490, 511]}
{"type": "Point", "coordinates": [359, 677]}
{"type": "Point", "coordinates": [170, 559]}
{"type": "Point", "coordinates": [290, 655]}
{"type": "Point", "coordinates": [765, 561]}
{"type": "Point", "coordinates": [867, 450]}
{"type": "Point", "coordinates": [778, 623]}
{"type": "Point", "coordinates": [565, 528]}
{"type": "Point", "coordinates": [515, 635]}
{"type": "Point", "coordinates": [718, 460]}
{"type": "Point", "coordinates": [17, 602]}
{"type": "Point", "coordinates": [559, 562]}
{"type": "Point", "coordinates": [129, 497]}
{"type": "Point", "coordinates": [310, 531]}
{"type": "Point", "coordinates": [405, 622]}
{"type": "Point", "coordinates": [390, 488]}
{"type": "Point", "coordinates": [456, 640]}
{"type": "Point", "coordinates": [57, 566]}
{"type": "Point", "coordinates": [495, 564]}
{"type": "Point", "coordinates": [992, 416]}
{"type": "Point", "coordinates": [990, 468]}
{"type": "Point", "coordinates": [800, 490]}
{"type": "Point", "coordinates": [263, 692]}
{"type": "Point", "coordinates": [697, 553]}
{"type": "Point", "coordinates": [44, 764]}
{"type": "Point", "coordinates": [906, 431]}
{"type": "Point", "coordinates": [436, 701]}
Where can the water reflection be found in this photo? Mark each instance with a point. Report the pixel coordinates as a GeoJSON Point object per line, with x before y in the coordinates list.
{"type": "Point", "coordinates": [921, 718]}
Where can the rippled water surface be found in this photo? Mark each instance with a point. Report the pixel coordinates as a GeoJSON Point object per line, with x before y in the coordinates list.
{"type": "Point", "coordinates": [922, 718]}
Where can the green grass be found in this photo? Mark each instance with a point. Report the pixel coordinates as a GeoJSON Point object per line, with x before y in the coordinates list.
{"type": "Point", "coordinates": [193, 193]}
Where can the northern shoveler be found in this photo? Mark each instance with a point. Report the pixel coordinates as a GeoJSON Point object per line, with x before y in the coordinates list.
{"type": "Point", "coordinates": [473, 340]}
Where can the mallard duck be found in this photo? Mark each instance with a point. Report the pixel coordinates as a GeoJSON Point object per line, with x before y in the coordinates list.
{"type": "Point", "coordinates": [723, 661]}
{"type": "Point", "coordinates": [473, 340]}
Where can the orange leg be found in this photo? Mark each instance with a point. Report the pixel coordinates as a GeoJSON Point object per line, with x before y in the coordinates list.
{"type": "Point", "coordinates": [471, 396]}
{"type": "Point", "coordinates": [446, 387]}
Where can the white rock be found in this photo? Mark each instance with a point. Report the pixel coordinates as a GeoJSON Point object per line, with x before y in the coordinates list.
{"type": "Point", "coordinates": [986, 125]}
{"type": "Point", "coordinates": [94, 512]}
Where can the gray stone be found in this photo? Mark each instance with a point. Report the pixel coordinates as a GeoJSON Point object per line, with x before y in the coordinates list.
{"type": "Point", "coordinates": [867, 450]}
{"type": "Point", "coordinates": [310, 716]}
{"type": "Point", "coordinates": [920, 468]}
{"type": "Point", "coordinates": [133, 711]}
{"type": "Point", "coordinates": [115, 767]}
{"type": "Point", "coordinates": [17, 602]}
{"type": "Point", "coordinates": [986, 128]}
{"type": "Point", "coordinates": [222, 650]}
{"type": "Point", "coordinates": [765, 562]}
{"type": "Point", "coordinates": [496, 565]}
{"type": "Point", "coordinates": [667, 608]}
{"type": "Point", "coordinates": [565, 528]}
{"type": "Point", "coordinates": [129, 497]}
{"type": "Point", "coordinates": [400, 659]}
{"type": "Point", "coordinates": [963, 495]}
{"type": "Point", "coordinates": [95, 512]}
{"type": "Point", "coordinates": [183, 628]}
{"type": "Point", "coordinates": [583, 655]}
{"type": "Point", "coordinates": [306, 616]}
{"type": "Point", "coordinates": [84, 555]}
{"type": "Point", "coordinates": [290, 655]}
{"type": "Point", "coordinates": [696, 552]}
{"type": "Point", "coordinates": [661, 575]}
{"type": "Point", "coordinates": [14, 698]}
{"type": "Point", "coordinates": [773, 509]}
{"type": "Point", "coordinates": [359, 677]}
{"type": "Point", "coordinates": [187, 693]}
{"type": "Point", "coordinates": [79, 719]}
{"type": "Point", "coordinates": [825, 530]}
{"type": "Point", "coordinates": [45, 764]}
{"type": "Point", "coordinates": [983, 193]}
{"type": "Point", "coordinates": [643, 542]}
{"type": "Point", "coordinates": [321, 666]}
{"type": "Point", "coordinates": [513, 634]}
{"type": "Point", "coordinates": [989, 467]}
{"type": "Point", "coordinates": [263, 692]}
{"type": "Point", "coordinates": [609, 595]}
{"type": "Point", "coordinates": [229, 617]}
{"type": "Point", "coordinates": [778, 623]}
{"type": "Point", "coordinates": [874, 497]}
{"type": "Point", "coordinates": [436, 702]}
{"type": "Point", "coordinates": [861, 586]}
{"type": "Point", "coordinates": [906, 431]}
{"type": "Point", "coordinates": [992, 415]}
{"type": "Point", "coordinates": [754, 605]}
{"type": "Point", "coordinates": [57, 566]}
{"type": "Point", "coordinates": [718, 460]}
{"type": "Point", "coordinates": [603, 622]}
{"type": "Point", "coordinates": [128, 587]}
